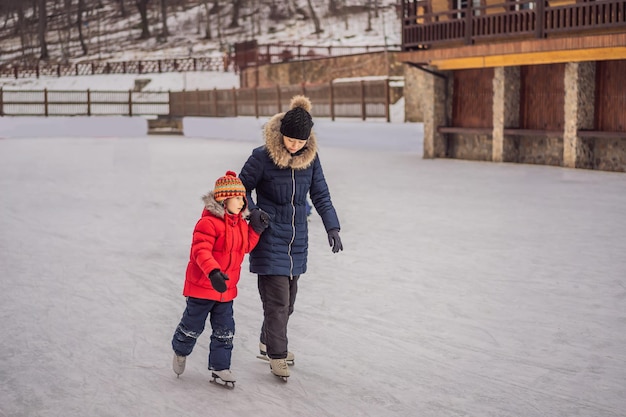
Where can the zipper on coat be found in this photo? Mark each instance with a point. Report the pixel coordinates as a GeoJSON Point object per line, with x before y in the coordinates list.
{"type": "Point", "coordinates": [293, 221]}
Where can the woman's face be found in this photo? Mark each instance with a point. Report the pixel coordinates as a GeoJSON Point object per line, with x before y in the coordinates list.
{"type": "Point", "coordinates": [293, 145]}
{"type": "Point", "coordinates": [234, 205]}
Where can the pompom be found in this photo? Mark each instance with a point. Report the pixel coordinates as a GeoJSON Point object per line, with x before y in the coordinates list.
{"type": "Point", "coordinates": [301, 101]}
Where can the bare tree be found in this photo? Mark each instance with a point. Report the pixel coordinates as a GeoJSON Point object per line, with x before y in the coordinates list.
{"type": "Point", "coordinates": [207, 28]}
{"type": "Point", "coordinates": [43, 27]}
{"type": "Point", "coordinates": [164, 30]}
{"type": "Point", "coordinates": [142, 6]}
{"type": "Point", "coordinates": [218, 12]}
{"type": "Point", "coordinates": [122, 8]}
{"type": "Point", "coordinates": [333, 7]}
{"type": "Point", "coordinates": [79, 25]}
{"type": "Point", "coordinates": [234, 21]}
{"type": "Point", "coordinates": [21, 26]}
{"type": "Point", "coordinates": [316, 21]}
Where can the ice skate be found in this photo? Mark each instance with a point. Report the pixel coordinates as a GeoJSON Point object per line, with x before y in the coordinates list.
{"type": "Point", "coordinates": [280, 368]}
{"type": "Point", "coordinates": [291, 358]}
{"type": "Point", "coordinates": [224, 377]}
{"type": "Point", "coordinates": [178, 364]}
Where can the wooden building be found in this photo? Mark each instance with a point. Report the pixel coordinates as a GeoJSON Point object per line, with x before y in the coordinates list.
{"type": "Point", "coordinates": [520, 81]}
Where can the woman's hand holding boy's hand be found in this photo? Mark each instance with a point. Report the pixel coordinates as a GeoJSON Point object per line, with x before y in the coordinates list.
{"type": "Point", "coordinates": [259, 220]}
{"type": "Point", "coordinates": [218, 280]}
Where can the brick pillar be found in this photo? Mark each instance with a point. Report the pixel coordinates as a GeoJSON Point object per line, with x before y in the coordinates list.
{"type": "Point", "coordinates": [435, 108]}
{"type": "Point", "coordinates": [506, 105]}
{"type": "Point", "coordinates": [579, 113]}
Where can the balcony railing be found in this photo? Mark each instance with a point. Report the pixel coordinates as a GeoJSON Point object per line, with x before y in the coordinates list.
{"type": "Point", "coordinates": [513, 19]}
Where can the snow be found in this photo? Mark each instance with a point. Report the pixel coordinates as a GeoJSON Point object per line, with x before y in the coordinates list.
{"type": "Point", "coordinates": [465, 288]}
{"type": "Point", "coordinates": [124, 82]}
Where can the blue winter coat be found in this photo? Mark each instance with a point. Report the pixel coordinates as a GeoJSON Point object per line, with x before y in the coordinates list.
{"type": "Point", "coordinates": [282, 182]}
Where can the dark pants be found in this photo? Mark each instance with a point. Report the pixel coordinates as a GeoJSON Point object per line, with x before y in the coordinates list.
{"type": "Point", "coordinates": [192, 325]}
{"type": "Point", "coordinates": [278, 295]}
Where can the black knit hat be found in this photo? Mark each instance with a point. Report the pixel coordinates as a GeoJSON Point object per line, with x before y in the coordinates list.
{"type": "Point", "coordinates": [297, 124]}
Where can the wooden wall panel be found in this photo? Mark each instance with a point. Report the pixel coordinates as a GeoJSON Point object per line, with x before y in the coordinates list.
{"type": "Point", "coordinates": [472, 102]}
{"type": "Point", "coordinates": [611, 96]}
{"type": "Point", "coordinates": [542, 97]}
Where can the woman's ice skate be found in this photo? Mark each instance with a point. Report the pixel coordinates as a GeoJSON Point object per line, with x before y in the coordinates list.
{"type": "Point", "coordinates": [280, 368]}
{"type": "Point", "coordinates": [291, 358]}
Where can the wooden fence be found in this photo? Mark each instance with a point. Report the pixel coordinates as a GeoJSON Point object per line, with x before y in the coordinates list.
{"type": "Point", "coordinates": [362, 99]}
{"type": "Point", "coordinates": [118, 67]}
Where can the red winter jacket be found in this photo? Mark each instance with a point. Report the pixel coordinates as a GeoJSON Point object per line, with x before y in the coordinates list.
{"type": "Point", "coordinates": [220, 241]}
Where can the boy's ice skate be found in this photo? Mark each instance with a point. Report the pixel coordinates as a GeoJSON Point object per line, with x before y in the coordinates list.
{"type": "Point", "coordinates": [224, 377]}
{"type": "Point", "coordinates": [280, 368]}
{"type": "Point", "coordinates": [291, 358]}
{"type": "Point", "coordinates": [178, 364]}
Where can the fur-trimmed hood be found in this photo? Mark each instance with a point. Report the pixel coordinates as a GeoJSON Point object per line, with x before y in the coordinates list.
{"type": "Point", "coordinates": [274, 140]}
{"type": "Point", "coordinates": [217, 209]}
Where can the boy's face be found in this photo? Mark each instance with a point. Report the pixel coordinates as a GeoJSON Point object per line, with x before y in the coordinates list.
{"type": "Point", "coordinates": [234, 205]}
{"type": "Point", "coordinates": [293, 145]}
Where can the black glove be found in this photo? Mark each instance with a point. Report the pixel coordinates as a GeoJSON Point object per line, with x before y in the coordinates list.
{"type": "Point", "coordinates": [218, 280]}
{"type": "Point", "coordinates": [334, 240]}
{"type": "Point", "coordinates": [259, 220]}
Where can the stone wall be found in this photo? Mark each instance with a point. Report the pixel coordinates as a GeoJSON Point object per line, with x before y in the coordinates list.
{"type": "Point", "coordinates": [323, 70]}
{"type": "Point", "coordinates": [540, 150]}
{"type": "Point", "coordinates": [572, 148]}
{"type": "Point", "coordinates": [415, 83]}
{"type": "Point", "coordinates": [579, 113]}
{"type": "Point", "coordinates": [609, 154]}
{"type": "Point", "coordinates": [470, 147]}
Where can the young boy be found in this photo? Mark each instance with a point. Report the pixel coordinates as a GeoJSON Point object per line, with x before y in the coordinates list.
{"type": "Point", "coordinates": [221, 238]}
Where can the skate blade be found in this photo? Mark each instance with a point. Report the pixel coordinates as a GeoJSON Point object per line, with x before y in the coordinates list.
{"type": "Point", "coordinates": [283, 378]}
{"type": "Point", "coordinates": [219, 381]}
{"type": "Point", "coordinates": [267, 359]}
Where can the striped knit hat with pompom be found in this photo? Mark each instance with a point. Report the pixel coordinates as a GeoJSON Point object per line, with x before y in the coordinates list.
{"type": "Point", "coordinates": [228, 186]}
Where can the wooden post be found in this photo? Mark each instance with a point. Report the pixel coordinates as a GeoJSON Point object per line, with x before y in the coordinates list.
{"type": "Point", "coordinates": [45, 101]}
{"type": "Point", "coordinates": [215, 100]}
{"type": "Point", "coordinates": [235, 101]}
{"type": "Point", "coordinates": [387, 101]}
{"type": "Point", "coordinates": [58, 70]}
{"type": "Point", "coordinates": [540, 21]}
{"type": "Point", "coordinates": [469, 15]}
{"type": "Point", "coordinates": [93, 68]}
{"type": "Point", "coordinates": [256, 102]}
{"type": "Point", "coordinates": [332, 101]}
{"type": "Point", "coordinates": [159, 66]}
{"type": "Point", "coordinates": [88, 102]}
{"type": "Point", "coordinates": [37, 70]}
{"type": "Point", "coordinates": [363, 110]}
{"type": "Point", "coordinates": [198, 109]}
{"type": "Point", "coordinates": [76, 69]}
{"type": "Point", "coordinates": [16, 71]}
{"type": "Point", "coordinates": [130, 102]}
{"type": "Point", "coordinates": [280, 107]}
{"type": "Point", "coordinates": [1, 103]}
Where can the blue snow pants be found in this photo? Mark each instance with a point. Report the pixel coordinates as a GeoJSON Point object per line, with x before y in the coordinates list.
{"type": "Point", "coordinates": [192, 325]}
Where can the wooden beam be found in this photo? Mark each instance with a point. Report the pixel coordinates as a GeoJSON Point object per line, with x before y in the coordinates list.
{"type": "Point", "coordinates": [532, 58]}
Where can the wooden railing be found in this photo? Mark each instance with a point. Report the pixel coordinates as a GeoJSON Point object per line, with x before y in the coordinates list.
{"type": "Point", "coordinates": [520, 18]}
